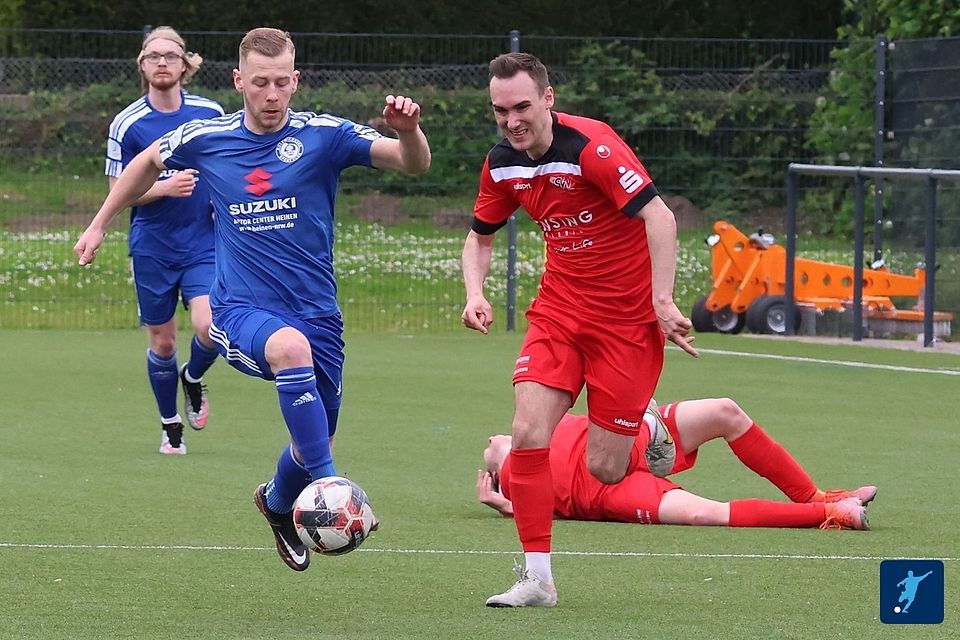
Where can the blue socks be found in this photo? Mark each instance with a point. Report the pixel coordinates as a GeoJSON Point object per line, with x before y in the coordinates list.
{"type": "Point", "coordinates": [201, 359]}
{"type": "Point", "coordinates": [164, 379]}
{"type": "Point", "coordinates": [306, 419]}
{"type": "Point", "coordinates": [290, 480]}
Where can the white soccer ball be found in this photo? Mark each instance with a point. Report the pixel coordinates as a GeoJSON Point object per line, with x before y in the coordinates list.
{"type": "Point", "coordinates": [333, 516]}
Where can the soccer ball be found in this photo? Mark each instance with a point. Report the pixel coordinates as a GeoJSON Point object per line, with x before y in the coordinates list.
{"type": "Point", "coordinates": [333, 516]}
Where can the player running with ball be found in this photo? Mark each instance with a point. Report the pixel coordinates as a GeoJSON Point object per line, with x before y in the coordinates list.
{"type": "Point", "coordinates": [273, 176]}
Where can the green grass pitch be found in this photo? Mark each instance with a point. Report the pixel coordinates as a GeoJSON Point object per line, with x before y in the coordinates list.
{"type": "Point", "coordinates": [102, 537]}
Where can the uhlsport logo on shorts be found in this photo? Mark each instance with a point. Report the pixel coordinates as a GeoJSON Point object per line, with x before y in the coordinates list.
{"type": "Point", "coordinates": [911, 591]}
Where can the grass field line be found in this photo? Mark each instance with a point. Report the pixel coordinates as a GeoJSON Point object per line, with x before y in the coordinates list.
{"type": "Point", "coordinates": [839, 363]}
{"type": "Point", "coordinates": [465, 552]}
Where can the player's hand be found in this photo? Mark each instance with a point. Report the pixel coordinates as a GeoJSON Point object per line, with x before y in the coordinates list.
{"type": "Point", "coordinates": [676, 327]}
{"type": "Point", "coordinates": [181, 184]}
{"type": "Point", "coordinates": [87, 245]}
{"type": "Point", "coordinates": [477, 314]}
{"type": "Point", "coordinates": [401, 113]}
{"type": "Point", "coordinates": [493, 499]}
{"type": "Point", "coordinates": [485, 492]}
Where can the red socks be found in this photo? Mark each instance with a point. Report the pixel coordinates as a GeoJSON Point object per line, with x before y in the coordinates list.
{"type": "Point", "coordinates": [767, 458]}
{"type": "Point", "coordinates": [531, 491]}
{"type": "Point", "coordinates": [768, 513]}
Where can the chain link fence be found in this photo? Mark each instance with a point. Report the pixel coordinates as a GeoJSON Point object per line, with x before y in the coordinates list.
{"type": "Point", "coordinates": [716, 122]}
{"type": "Point", "coordinates": [923, 131]}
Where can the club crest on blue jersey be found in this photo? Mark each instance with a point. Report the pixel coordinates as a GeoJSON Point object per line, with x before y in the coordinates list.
{"type": "Point", "coordinates": [289, 149]}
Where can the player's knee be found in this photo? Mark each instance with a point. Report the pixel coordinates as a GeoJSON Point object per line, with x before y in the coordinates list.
{"type": "Point", "coordinates": [201, 327]}
{"type": "Point", "coordinates": [288, 348]}
{"type": "Point", "coordinates": [529, 435]}
{"type": "Point", "coordinates": [735, 420]}
{"type": "Point", "coordinates": [163, 344]}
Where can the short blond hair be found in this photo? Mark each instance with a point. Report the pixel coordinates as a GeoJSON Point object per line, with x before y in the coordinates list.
{"type": "Point", "coordinates": [267, 42]}
{"type": "Point", "coordinates": [191, 60]}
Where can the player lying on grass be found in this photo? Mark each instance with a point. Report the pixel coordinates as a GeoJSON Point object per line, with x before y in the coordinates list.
{"type": "Point", "coordinates": [644, 498]}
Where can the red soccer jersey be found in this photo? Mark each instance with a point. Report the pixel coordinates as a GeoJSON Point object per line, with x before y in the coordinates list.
{"type": "Point", "coordinates": [584, 193]}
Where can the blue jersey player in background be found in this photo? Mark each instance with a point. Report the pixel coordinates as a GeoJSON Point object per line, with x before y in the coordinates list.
{"type": "Point", "coordinates": [273, 176]}
{"type": "Point", "coordinates": [171, 232]}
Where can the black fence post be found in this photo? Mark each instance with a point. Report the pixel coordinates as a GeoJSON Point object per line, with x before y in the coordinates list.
{"type": "Point", "coordinates": [789, 307]}
{"type": "Point", "coordinates": [879, 121]}
{"type": "Point", "coordinates": [512, 235]}
{"type": "Point", "coordinates": [930, 261]}
{"type": "Point", "coordinates": [859, 196]}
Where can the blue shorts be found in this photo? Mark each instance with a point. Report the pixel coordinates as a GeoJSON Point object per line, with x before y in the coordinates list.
{"type": "Point", "coordinates": [159, 283]}
{"type": "Point", "coordinates": [240, 333]}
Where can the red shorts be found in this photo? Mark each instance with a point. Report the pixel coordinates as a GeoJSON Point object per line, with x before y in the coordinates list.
{"type": "Point", "coordinates": [636, 498]}
{"type": "Point", "coordinates": [620, 364]}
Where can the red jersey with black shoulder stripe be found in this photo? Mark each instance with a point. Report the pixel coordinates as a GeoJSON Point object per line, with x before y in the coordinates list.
{"type": "Point", "coordinates": [585, 193]}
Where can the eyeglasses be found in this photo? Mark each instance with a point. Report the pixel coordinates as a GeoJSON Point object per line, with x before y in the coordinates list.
{"type": "Point", "coordinates": [169, 58]}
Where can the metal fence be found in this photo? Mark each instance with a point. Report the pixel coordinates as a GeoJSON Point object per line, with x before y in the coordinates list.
{"type": "Point", "coordinates": [716, 121]}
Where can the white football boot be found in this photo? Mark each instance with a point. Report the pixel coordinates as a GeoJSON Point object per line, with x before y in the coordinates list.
{"type": "Point", "coordinates": [528, 591]}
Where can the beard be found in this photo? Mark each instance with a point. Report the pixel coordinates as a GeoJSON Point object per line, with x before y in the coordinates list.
{"type": "Point", "coordinates": [163, 83]}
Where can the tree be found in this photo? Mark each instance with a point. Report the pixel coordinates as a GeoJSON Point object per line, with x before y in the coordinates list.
{"type": "Point", "coordinates": [842, 127]}
{"type": "Point", "coordinates": [668, 18]}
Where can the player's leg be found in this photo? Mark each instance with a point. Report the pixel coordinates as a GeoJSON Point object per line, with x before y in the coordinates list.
{"type": "Point", "coordinates": [156, 286]}
{"type": "Point", "coordinates": [846, 514]}
{"type": "Point", "coordinates": [699, 421]}
{"type": "Point", "coordinates": [685, 508]}
{"type": "Point", "coordinates": [682, 507]}
{"type": "Point", "coordinates": [162, 372]}
{"type": "Point", "coordinates": [538, 410]}
{"type": "Point", "coordinates": [241, 335]}
{"type": "Point", "coordinates": [608, 453]}
{"type": "Point", "coordinates": [622, 368]}
{"type": "Point", "coordinates": [908, 598]}
{"type": "Point", "coordinates": [752, 445]}
{"type": "Point", "coordinates": [290, 356]}
{"type": "Point", "coordinates": [310, 456]}
{"type": "Point", "coordinates": [547, 378]}
{"type": "Point", "coordinates": [195, 285]}
{"type": "Point", "coordinates": [282, 490]}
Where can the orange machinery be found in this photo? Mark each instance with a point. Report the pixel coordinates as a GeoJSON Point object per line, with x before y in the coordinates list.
{"type": "Point", "coordinates": [749, 282]}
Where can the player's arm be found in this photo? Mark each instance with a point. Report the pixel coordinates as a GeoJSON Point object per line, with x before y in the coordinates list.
{"type": "Point", "coordinates": [604, 163]}
{"type": "Point", "coordinates": [490, 497]}
{"type": "Point", "coordinates": [179, 185]}
{"type": "Point", "coordinates": [409, 152]}
{"type": "Point", "coordinates": [136, 180]}
{"type": "Point", "coordinates": [477, 254]}
{"type": "Point", "coordinates": [661, 229]}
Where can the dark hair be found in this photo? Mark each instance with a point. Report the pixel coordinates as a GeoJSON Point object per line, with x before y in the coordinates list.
{"type": "Point", "coordinates": [508, 65]}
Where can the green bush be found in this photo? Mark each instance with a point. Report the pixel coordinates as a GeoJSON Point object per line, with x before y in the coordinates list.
{"type": "Point", "coordinates": [60, 130]}
{"type": "Point", "coordinates": [725, 148]}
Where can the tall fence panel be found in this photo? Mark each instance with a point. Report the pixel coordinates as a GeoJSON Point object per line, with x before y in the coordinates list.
{"type": "Point", "coordinates": [923, 131]}
{"type": "Point", "coordinates": [716, 122]}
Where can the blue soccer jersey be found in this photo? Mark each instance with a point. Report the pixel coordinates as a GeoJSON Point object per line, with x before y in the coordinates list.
{"type": "Point", "coordinates": [273, 197]}
{"type": "Point", "coordinates": [174, 229]}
